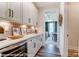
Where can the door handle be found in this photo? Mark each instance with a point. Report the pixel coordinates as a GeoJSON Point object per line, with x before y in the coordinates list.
{"type": "Point", "coordinates": [67, 35]}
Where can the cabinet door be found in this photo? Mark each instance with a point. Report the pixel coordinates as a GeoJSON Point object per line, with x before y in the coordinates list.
{"type": "Point", "coordinates": [29, 12]}
{"type": "Point", "coordinates": [35, 45]}
{"type": "Point", "coordinates": [33, 13]}
{"type": "Point", "coordinates": [39, 42]}
{"type": "Point", "coordinates": [16, 7]}
{"type": "Point", "coordinates": [3, 9]}
{"type": "Point", "coordinates": [30, 48]}
{"type": "Point", "coordinates": [26, 12]}
{"type": "Point", "coordinates": [35, 16]}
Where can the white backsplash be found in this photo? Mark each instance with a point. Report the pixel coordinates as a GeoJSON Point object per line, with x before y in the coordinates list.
{"type": "Point", "coordinates": [2, 36]}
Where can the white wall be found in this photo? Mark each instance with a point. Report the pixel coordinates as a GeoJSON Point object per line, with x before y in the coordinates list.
{"type": "Point", "coordinates": [63, 31]}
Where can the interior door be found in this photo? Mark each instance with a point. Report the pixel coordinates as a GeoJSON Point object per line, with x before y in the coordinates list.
{"type": "Point", "coordinates": [30, 48]}
{"type": "Point", "coordinates": [73, 17]}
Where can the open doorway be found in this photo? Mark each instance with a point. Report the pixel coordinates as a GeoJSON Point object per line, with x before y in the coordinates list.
{"type": "Point", "coordinates": [51, 27]}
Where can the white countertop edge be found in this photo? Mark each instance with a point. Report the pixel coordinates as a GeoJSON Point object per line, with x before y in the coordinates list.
{"type": "Point", "coordinates": [9, 42]}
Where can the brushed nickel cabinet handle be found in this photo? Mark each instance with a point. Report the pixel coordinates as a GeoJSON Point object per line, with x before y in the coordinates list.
{"type": "Point", "coordinates": [41, 39]}
{"type": "Point", "coordinates": [9, 12]}
{"type": "Point", "coordinates": [29, 20]}
{"type": "Point", "coordinates": [34, 44]}
{"type": "Point", "coordinates": [12, 13]}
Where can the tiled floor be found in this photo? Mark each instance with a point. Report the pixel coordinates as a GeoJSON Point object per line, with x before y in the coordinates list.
{"type": "Point", "coordinates": [49, 50]}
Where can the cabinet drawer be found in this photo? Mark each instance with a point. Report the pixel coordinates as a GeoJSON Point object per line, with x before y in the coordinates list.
{"type": "Point", "coordinates": [30, 48]}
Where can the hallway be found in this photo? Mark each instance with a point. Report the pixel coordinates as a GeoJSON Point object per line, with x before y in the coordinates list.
{"type": "Point", "coordinates": [49, 50]}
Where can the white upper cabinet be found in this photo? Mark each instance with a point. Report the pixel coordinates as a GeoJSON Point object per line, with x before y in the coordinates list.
{"type": "Point", "coordinates": [26, 12]}
{"type": "Point", "coordinates": [30, 13]}
{"type": "Point", "coordinates": [23, 12]}
{"type": "Point", "coordinates": [33, 14]}
{"type": "Point", "coordinates": [3, 10]}
{"type": "Point", "coordinates": [16, 11]}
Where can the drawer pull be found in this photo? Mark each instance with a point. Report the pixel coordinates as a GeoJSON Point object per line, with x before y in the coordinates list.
{"type": "Point", "coordinates": [34, 45]}
{"type": "Point", "coordinates": [9, 12]}
{"type": "Point", "coordinates": [12, 13]}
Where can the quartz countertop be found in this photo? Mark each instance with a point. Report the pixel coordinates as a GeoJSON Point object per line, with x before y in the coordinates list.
{"type": "Point", "coordinates": [9, 41]}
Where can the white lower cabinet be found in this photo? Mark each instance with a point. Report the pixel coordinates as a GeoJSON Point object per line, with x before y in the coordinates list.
{"type": "Point", "coordinates": [33, 46]}
{"type": "Point", "coordinates": [30, 48]}
{"type": "Point", "coordinates": [26, 48]}
{"type": "Point", "coordinates": [39, 42]}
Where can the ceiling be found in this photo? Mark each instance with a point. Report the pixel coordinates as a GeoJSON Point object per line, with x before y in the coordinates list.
{"type": "Point", "coordinates": [46, 5]}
